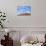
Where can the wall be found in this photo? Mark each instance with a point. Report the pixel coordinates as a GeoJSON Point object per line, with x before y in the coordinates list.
{"type": "Point", "coordinates": [38, 18]}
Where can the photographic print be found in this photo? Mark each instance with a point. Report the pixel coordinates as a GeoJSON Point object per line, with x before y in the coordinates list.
{"type": "Point", "coordinates": [23, 10]}
{"type": "Point", "coordinates": [23, 7]}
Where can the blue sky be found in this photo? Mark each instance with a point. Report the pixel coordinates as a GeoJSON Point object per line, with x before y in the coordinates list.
{"type": "Point", "coordinates": [23, 9]}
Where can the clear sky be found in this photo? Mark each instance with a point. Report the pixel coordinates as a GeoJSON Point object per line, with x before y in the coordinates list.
{"type": "Point", "coordinates": [23, 9]}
